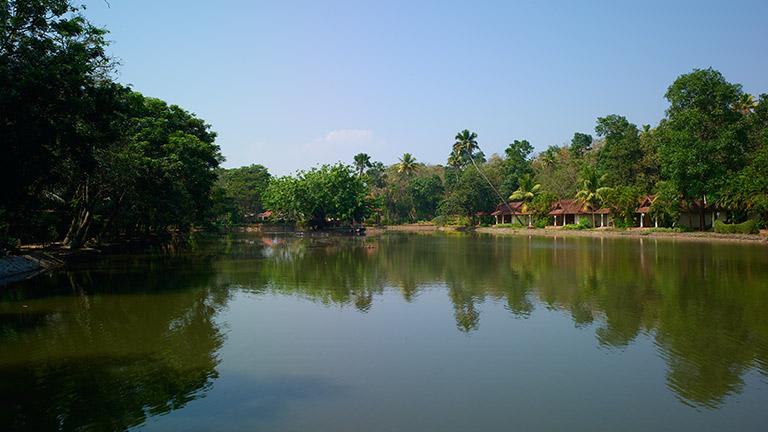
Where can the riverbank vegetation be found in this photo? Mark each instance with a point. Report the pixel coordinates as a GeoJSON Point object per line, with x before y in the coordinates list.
{"type": "Point", "coordinates": [88, 160]}
{"type": "Point", "coordinates": [85, 158]}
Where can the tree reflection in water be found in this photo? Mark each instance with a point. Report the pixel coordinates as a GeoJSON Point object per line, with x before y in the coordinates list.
{"type": "Point", "coordinates": [704, 303]}
{"type": "Point", "coordinates": [107, 352]}
{"type": "Point", "coordinates": [127, 338]}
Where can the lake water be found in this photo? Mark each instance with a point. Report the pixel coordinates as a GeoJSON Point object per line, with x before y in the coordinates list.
{"type": "Point", "coordinates": [394, 333]}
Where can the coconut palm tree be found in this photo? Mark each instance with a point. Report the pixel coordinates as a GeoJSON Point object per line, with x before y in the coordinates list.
{"type": "Point", "coordinates": [526, 192]}
{"type": "Point", "coordinates": [362, 161]}
{"type": "Point", "coordinates": [591, 192]}
{"type": "Point", "coordinates": [407, 165]}
{"type": "Point", "coordinates": [466, 142]}
{"type": "Point", "coordinates": [746, 104]}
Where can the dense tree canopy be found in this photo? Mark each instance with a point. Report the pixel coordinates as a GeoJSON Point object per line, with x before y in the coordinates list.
{"type": "Point", "coordinates": [86, 157]}
{"type": "Point", "coordinates": [319, 196]}
{"type": "Point", "coordinates": [702, 139]}
{"type": "Point", "coordinates": [240, 192]}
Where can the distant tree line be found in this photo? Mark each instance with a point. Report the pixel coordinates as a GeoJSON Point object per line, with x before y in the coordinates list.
{"type": "Point", "coordinates": [711, 147]}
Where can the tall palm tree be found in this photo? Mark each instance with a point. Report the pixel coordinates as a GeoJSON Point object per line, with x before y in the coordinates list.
{"type": "Point", "coordinates": [407, 165]}
{"type": "Point", "coordinates": [591, 192]}
{"type": "Point", "coordinates": [466, 142]}
{"type": "Point", "coordinates": [362, 161]}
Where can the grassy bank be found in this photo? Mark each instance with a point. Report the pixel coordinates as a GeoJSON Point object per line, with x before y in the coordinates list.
{"type": "Point", "coordinates": [628, 233]}
{"type": "Point", "coordinates": [600, 232]}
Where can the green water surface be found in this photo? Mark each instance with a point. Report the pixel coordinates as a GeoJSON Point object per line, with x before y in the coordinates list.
{"type": "Point", "coordinates": [393, 333]}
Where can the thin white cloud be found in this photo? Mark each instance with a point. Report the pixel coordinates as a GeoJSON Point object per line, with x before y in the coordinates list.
{"type": "Point", "coordinates": [339, 145]}
{"type": "Point", "coordinates": [349, 135]}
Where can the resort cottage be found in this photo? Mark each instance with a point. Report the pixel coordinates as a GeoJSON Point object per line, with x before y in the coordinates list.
{"type": "Point", "coordinates": [511, 212]}
{"type": "Point", "coordinates": [689, 216]}
{"type": "Point", "coordinates": [572, 211]}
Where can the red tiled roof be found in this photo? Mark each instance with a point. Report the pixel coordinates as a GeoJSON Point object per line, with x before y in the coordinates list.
{"type": "Point", "coordinates": [516, 208]}
{"type": "Point", "coordinates": [573, 206]}
{"type": "Point", "coordinates": [647, 201]}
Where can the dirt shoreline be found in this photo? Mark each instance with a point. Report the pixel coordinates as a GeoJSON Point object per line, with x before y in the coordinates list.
{"type": "Point", "coordinates": [556, 232]}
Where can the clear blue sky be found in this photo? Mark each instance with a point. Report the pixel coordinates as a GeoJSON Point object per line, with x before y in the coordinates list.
{"type": "Point", "coordinates": [290, 84]}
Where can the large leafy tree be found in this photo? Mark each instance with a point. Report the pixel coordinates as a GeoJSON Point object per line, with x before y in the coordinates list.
{"type": "Point", "coordinates": [56, 106]}
{"type": "Point", "coordinates": [745, 194]}
{"type": "Point", "coordinates": [98, 157]}
{"type": "Point", "coordinates": [244, 187]}
{"type": "Point", "coordinates": [470, 194]}
{"type": "Point", "coordinates": [619, 158]}
{"type": "Point", "coordinates": [517, 165]}
{"type": "Point", "coordinates": [558, 172]}
{"type": "Point", "coordinates": [580, 144]}
{"type": "Point", "coordinates": [320, 195]}
{"type": "Point", "coordinates": [426, 193]}
{"type": "Point", "coordinates": [702, 140]}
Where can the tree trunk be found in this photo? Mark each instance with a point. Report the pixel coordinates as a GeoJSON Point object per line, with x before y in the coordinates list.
{"type": "Point", "coordinates": [81, 220]}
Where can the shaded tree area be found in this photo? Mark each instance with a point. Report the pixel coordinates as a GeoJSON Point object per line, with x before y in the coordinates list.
{"type": "Point", "coordinates": [85, 158]}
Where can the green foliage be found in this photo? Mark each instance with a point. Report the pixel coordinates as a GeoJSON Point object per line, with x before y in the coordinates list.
{"type": "Point", "coordinates": [471, 194]}
{"type": "Point", "coordinates": [515, 225]}
{"type": "Point", "coordinates": [465, 150]}
{"type": "Point", "coordinates": [663, 230]}
{"type": "Point", "coordinates": [426, 193]}
{"type": "Point", "coordinates": [666, 205]}
{"type": "Point", "coordinates": [376, 175]}
{"type": "Point", "coordinates": [592, 193]}
{"type": "Point", "coordinates": [329, 194]}
{"type": "Point", "coordinates": [239, 192]}
{"type": "Point", "coordinates": [86, 158]}
{"type": "Point", "coordinates": [580, 144]}
{"type": "Point", "coordinates": [747, 190]}
{"type": "Point", "coordinates": [620, 155]}
{"type": "Point", "coordinates": [702, 139]}
{"type": "Point", "coordinates": [748, 227]}
{"type": "Point", "coordinates": [517, 165]}
{"type": "Point", "coordinates": [558, 172]}
{"type": "Point", "coordinates": [623, 201]}
{"type": "Point", "coordinates": [453, 221]}
{"type": "Point", "coordinates": [362, 162]}
{"type": "Point", "coordinates": [407, 165]}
